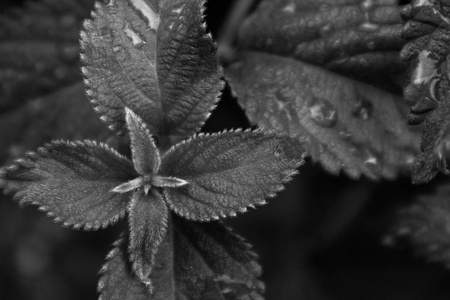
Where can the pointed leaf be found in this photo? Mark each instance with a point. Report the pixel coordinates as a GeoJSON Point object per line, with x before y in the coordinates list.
{"type": "Point", "coordinates": [39, 48]}
{"type": "Point", "coordinates": [169, 182]}
{"type": "Point", "coordinates": [145, 155]}
{"type": "Point", "coordinates": [118, 281]}
{"type": "Point", "coordinates": [229, 172]}
{"type": "Point", "coordinates": [72, 182]}
{"type": "Point", "coordinates": [427, 88]}
{"type": "Point", "coordinates": [426, 225]}
{"type": "Point", "coordinates": [286, 78]}
{"type": "Point", "coordinates": [205, 261]}
{"type": "Point", "coordinates": [154, 58]}
{"type": "Point", "coordinates": [148, 225]}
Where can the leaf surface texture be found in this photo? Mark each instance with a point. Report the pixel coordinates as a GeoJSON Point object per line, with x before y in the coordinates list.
{"type": "Point", "coordinates": [228, 172]}
{"type": "Point", "coordinates": [71, 181]}
{"type": "Point", "coordinates": [298, 76]}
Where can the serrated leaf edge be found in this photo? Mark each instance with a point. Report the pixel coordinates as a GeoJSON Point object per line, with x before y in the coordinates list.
{"type": "Point", "coordinates": [259, 201]}
{"type": "Point", "coordinates": [132, 256]}
{"type": "Point", "coordinates": [43, 152]}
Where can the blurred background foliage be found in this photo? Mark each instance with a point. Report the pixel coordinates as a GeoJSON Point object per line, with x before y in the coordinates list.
{"type": "Point", "coordinates": [324, 237]}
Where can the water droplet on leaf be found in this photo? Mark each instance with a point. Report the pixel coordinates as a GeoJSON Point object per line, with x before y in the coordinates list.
{"type": "Point", "coordinates": [345, 135]}
{"type": "Point", "coordinates": [363, 109]}
{"type": "Point", "coordinates": [323, 113]}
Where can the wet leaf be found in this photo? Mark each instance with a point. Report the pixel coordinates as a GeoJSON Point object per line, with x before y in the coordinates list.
{"type": "Point", "coordinates": [288, 76]}
{"type": "Point", "coordinates": [348, 125]}
{"type": "Point", "coordinates": [154, 58]}
{"type": "Point", "coordinates": [426, 225]}
{"type": "Point", "coordinates": [39, 49]}
{"type": "Point", "coordinates": [360, 39]}
{"type": "Point", "coordinates": [229, 171]}
{"type": "Point", "coordinates": [71, 182]}
{"type": "Point", "coordinates": [427, 86]}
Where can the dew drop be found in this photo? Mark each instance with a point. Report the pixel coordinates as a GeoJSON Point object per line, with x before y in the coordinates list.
{"type": "Point", "coordinates": [363, 110]}
{"type": "Point", "coordinates": [368, 27]}
{"type": "Point", "coordinates": [326, 30]}
{"type": "Point", "coordinates": [345, 135]}
{"type": "Point", "coordinates": [323, 113]}
{"type": "Point", "coordinates": [133, 35]}
{"type": "Point", "coordinates": [290, 8]}
{"type": "Point", "coordinates": [371, 161]}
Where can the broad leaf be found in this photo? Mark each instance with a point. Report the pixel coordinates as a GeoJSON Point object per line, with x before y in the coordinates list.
{"type": "Point", "coordinates": [426, 225]}
{"type": "Point", "coordinates": [71, 182]}
{"type": "Point", "coordinates": [154, 58]}
{"type": "Point", "coordinates": [39, 48]}
{"type": "Point", "coordinates": [348, 125]}
{"type": "Point", "coordinates": [148, 216]}
{"type": "Point", "coordinates": [195, 261]}
{"type": "Point", "coordinates": [205, 261]}
{"type": "Point", "coordinates": [118, 281]}
{"type": "Point", "coordinates": [228, 172]}
{"type": "Point", "coordinates": [145, 155]}
{"type": "Point", "coordinates": [427, 88]}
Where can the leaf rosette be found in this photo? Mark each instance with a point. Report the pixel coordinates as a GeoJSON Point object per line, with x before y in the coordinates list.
{"type": "Point", "coordinates": [151, 70]}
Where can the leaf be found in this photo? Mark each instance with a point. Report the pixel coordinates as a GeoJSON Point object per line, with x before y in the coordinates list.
{"type": "Point", "coordinates": [205, 261]}
{"type": "Point", "coordinates": [426, 225]}
{"type": "Point", "coordinates": [195, 261]}
{"type": "Point", "coordinates": [145, 155]}
{"type": "Point", "coordinates": [427, 88]}
{"type": "Point", "coordinates": [154, 58]}
{"type": "Point", "coordinates": [39, 49]}
{"type": "Point", "coordinates": [359, 39]}
{"type": "Point", "coordinates": [148, 216]}
{"type": "Point", "coordinates": [118, 282]}
{"type": "Point", "coordinates": [348, 125]}
{"type": "Point", "coordinates": [229, 172]}
{"type": "Point", "coordinates": [71, 182]}
{"type": "Point", "coordinates": [64, 114]}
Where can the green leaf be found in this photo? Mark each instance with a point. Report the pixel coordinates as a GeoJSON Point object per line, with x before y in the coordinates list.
{"type": "Point", "coordinates": [228, 172]}
{"type": "Point", "coordinates": [154, 58]}
{"type": "Point", "coordinates": [39, 49]}
{"type": "Point", "coordinates": [118, 282]}
{"type": "Point", "coordinates": [145, 155]}
{"type": "Point", "coordinates": [427, 87]}
{"type": "Point", "coordinates": [426, 225]}
{"type": "Point", "coordinates": [148, 217]}
{"type": "Point", "coordinates": [286, 77]}
{"type": "Point", "coordinates": [71, 182]}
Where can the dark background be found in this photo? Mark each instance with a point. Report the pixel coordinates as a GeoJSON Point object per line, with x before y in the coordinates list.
{"type": "Point", "coordinates": [324, 237]}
